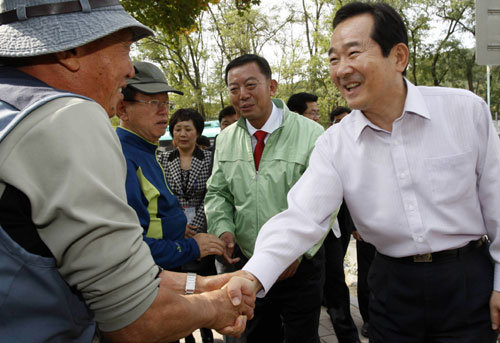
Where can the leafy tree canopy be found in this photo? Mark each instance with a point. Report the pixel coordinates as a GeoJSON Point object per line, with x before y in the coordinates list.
{"type": "Point", "coordinates": [174, 16]}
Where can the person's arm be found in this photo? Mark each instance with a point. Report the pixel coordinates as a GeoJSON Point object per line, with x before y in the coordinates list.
{"type": "Point", "coordinates": [167, 253]}
{"type": "Point", "coordinates": [219, 205]}
{"type": "Point", "coordinates": [67, 159]}
{"type": "Point", "coordinates": [311, 201]}
{"type": "Point", "coordinates": [170, 254]}
{"type": "Point", "coordinates": [173, 316]}
{"type": "Point", "coordinates": [200, 220]}
{"type": "Point", "coordinates": [488, 169]}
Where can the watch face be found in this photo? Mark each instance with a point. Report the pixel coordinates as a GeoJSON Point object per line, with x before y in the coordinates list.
{"type": "Point", "coordinates": [190, 283]}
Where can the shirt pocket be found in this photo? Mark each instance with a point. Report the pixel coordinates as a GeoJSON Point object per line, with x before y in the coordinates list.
{"type": "Point", "coordinates": [452, 178]}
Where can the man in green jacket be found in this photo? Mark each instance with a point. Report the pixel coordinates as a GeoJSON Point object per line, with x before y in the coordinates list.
{"type": "Point", "coordinates": [257, 161]}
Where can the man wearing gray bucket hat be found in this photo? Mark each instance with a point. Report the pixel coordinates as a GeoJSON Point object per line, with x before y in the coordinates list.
{"type": "Point", "coordinates": [72, 258]}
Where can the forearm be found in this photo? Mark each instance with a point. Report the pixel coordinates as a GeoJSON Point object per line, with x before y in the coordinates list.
{"type": "Point", "coordinates": [176, 282]}
{"type": "Point", "coordinates": [170, 317]}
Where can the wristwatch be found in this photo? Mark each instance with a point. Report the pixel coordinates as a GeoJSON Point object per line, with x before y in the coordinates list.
{"type": "Point", "coordinates": [190, 283]}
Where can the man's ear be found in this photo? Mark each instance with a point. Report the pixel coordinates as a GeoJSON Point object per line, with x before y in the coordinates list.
{"type": "Point", "coordinates": [69, 59]}
{"type": "Point", "coordinates": [121, 111]}
{"type": "Point", "coordinates": [273, 85]}
{"type": "Point", "coordinates": [401, 56]}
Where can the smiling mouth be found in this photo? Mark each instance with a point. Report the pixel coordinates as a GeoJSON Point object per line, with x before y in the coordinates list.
{"type": "Point", "coordinates": [351, 86]}
{"type": "Point", "coordinates": [246, 107]}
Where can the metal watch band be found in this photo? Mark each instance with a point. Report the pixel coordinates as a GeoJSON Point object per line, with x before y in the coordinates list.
{"type": "Point", "coordinates": [190, 283]}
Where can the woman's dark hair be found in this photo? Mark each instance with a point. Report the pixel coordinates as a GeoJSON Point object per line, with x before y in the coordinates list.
{"type": "Point", "coordinates": [250, 58]}
{"type": "Point", "coordinates": [389, 28]}
{"type": "Point", "coordinates": [187, 114]}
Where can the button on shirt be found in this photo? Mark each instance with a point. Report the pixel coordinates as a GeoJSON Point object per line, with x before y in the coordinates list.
{"type": "Point", "coordinates": [431, 184]}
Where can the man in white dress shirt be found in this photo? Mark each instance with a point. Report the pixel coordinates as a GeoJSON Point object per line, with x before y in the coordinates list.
{"type": "Point", "coordinates": [419, 170]}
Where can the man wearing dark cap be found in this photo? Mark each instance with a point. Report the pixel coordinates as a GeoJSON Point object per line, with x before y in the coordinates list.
{"type": "Point", "coordinates": [72, 258]}
{"type": "Point", "coordinates": [143, 120]}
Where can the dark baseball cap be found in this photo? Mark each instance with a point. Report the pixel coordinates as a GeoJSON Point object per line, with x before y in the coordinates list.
{"type": "Point", "coordinates": [150, 79]}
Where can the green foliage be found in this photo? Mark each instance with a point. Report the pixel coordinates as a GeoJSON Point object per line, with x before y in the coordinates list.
{"type": "Point", "coordinates": [203, 36]}
{"type": "Point", "coordinates": [174, 17]}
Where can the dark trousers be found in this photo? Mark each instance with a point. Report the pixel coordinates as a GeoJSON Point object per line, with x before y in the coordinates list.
{"type": "Point", "coordinates": [336, 293]}
{"type": "Point", "coordinates": [365, 252]}
{"type": "Point", "coordinates": [436, 302]}
{"type": "Point", "coordinates": [290, 310]}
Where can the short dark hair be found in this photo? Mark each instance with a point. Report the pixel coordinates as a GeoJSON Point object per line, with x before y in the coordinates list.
{"type": "Point", "coordinates": [389, 28]}
{"type": "Point", "coordinates": [17, 62]}
{"type": "Point", "coordinates": [250, 58]}
{"type": "Point", "coordinates": [337, 111]}
{"type": "Point", "coordinates": [203, 140]}
{"type": "Point", "coordinates": [129, 93]}
{"type": "Point", "coordinates": [187, 114]}
{"type": "Point", "coordinates": [298, 102]}
{"type": "Point", "coordinates": [226, 112]}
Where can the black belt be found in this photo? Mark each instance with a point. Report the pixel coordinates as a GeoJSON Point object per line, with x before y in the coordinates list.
{"type": "Point", "coordinates": [437, 256]}
{"type": "Point", "coordinates": [55, 8]}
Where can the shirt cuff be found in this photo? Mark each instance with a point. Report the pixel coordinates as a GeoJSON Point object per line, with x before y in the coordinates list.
{"type": "Point", "coordinates": [496, 278]}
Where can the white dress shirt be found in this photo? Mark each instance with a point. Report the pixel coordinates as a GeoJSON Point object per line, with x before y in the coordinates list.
{"type": "Point", "coordinates": [431, 184]}
{"type": "Point", "coordinates": [272, 124]}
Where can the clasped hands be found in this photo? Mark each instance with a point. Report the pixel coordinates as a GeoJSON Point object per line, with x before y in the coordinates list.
{"type": "Point", "coordinates": [236, 294]}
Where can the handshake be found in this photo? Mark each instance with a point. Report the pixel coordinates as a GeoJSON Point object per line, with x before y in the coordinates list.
{"type": "Point", "coordinates": [222, 302]}
{"type": "Point", "coordinates": [231, 300]}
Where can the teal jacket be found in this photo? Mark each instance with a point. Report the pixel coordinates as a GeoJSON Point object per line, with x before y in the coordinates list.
{"type": "Point", "coordinates": [240, 199]}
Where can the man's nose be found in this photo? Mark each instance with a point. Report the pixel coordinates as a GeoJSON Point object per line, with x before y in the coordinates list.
{"type": "Point", "coordinates": [343, 68]}
{"type": "Point", "coordinates": [244, 93]}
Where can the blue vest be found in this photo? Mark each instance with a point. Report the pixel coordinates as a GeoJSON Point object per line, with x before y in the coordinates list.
{"type": "Point", "coordinates": [36, 304]}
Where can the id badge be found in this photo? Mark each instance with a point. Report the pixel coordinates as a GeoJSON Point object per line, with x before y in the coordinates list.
{"type": "Point", "coordinates": [190, 213]}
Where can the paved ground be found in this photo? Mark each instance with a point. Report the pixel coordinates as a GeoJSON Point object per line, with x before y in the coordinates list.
{"type": "Point", "coordinates": [326, 332]}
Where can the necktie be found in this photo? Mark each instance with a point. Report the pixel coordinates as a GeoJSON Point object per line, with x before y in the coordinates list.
{"type": "Point", "coordinates": [260, 135]}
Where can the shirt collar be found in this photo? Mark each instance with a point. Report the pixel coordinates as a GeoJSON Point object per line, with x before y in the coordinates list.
{"type": "Point", "coordinates": [272, 123]}
{"type": "Point", "coordinates": [131, 137]}
{"type": "Point", "coordinates": [414, 104]}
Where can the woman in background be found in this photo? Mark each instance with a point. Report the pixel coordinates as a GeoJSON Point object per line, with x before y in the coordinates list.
{"type": "Point", "coordinates": [187, 169]}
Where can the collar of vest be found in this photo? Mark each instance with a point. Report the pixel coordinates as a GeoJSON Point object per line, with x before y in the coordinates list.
{"type": "Point", "coordinates": [21, 90]}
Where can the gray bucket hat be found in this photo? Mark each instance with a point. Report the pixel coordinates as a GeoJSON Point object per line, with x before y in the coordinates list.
{"type": "Point", "coordinates": [150, 79]}
{"type": "Point", "coordinates": [39, 27]}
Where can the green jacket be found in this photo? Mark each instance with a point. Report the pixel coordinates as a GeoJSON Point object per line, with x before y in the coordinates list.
{"type": "Point", "coordinates": [239, 199]}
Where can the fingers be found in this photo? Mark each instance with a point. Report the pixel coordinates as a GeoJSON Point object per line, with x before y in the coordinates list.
{"type": "Point", "coordinates": [190, 233]}
{"type": "Point", "coordinates": [237, 329]}
{"type": "Point", "coordinates": [241, 291]}
{"type": "Point", "coordinates": [357, 236]}
{"type": "Point", "coordinates": [244, 274]}
{"type": "Point", "coordinates": [209, 244]}
{"type": "Point", "coordinates": [228, 259]}
{"type": "Point", "coordinates": [495, 311]}
{"type": "Point", "coordinates": [214, 282]}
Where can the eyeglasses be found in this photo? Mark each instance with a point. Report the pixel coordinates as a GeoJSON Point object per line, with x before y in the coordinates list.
{"type": "Point", "coordinates": [155, 103]}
